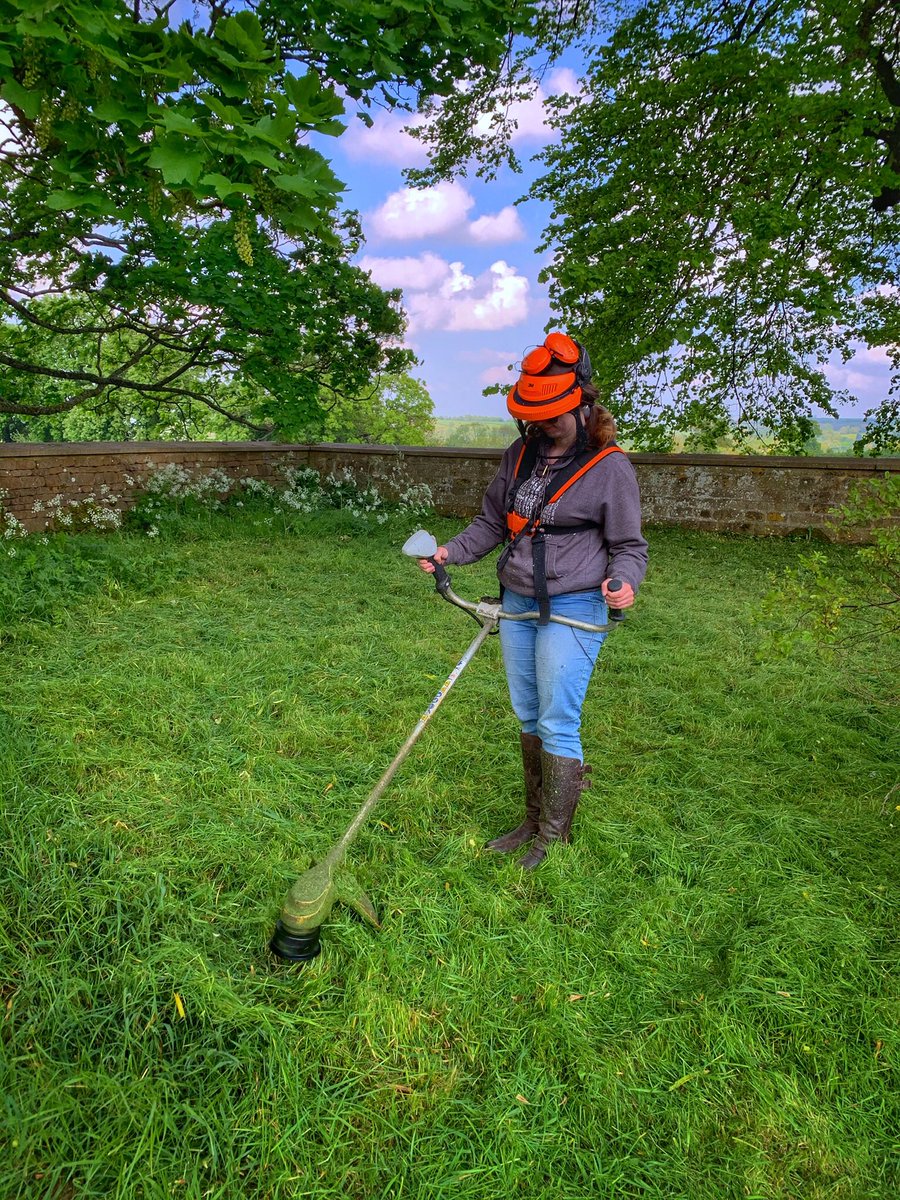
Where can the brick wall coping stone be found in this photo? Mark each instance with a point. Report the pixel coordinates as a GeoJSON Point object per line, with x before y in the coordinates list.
{"type": "Point", "coordinates": [866, 466]}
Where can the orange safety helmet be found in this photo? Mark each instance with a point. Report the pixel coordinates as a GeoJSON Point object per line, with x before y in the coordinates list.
{"type": "Point", "coordinates": [541, 397]}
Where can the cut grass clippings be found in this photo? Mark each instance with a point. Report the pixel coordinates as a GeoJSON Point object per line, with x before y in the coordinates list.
{"type": "Point", "coordinates": [694, 1000]}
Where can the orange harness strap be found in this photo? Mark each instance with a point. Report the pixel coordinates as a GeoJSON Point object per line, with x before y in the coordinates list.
{"type": "Point", "coordinates": [587, 466]}
{"type": "Point", "coordinates": [517, 524]}
{"type": "Point", "coordinates": [533, 528]}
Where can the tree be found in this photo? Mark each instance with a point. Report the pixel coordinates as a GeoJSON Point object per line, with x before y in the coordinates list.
{"type": "Point", "coordinates": [394, 409]}
{"type": "Point", "coordinates": [120, 414]}
{"type": "Point", "coordinates": [397, 411]}
{"type": "Point", "coordinates": [158, 183]}
{"type": "Point", "coordinates": [725, 192]}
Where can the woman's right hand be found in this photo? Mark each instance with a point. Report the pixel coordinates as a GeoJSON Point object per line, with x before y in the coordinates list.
{"type": "Point", "coordinates": [440, 555]}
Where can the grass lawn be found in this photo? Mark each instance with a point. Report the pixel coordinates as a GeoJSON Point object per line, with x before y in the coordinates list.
{"type": "Point", "coordinates": [695, 1000]}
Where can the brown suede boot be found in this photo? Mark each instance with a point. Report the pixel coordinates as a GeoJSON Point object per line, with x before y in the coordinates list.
{"type": "Point", "coordinates": [531, 767]}
{"type": "Point", "coordinates": [563, 782]}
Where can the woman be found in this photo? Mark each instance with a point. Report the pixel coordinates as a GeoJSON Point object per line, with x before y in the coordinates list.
{"type": "Point", "coordinates": [565, 501]}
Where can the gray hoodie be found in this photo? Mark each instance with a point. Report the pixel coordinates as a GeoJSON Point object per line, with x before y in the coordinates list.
{"type": "Point", "coordinates": [575, 562]}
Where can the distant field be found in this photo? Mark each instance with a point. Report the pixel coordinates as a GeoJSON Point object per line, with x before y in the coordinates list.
{"type": "Point", "coordinates": [835, 437]}
{"type": "Point", "coordinates": [472, 431]}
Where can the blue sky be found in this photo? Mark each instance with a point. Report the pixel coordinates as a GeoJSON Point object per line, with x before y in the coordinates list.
{"type": "Point", "coordinates": [466, 258]}
{"type": "Point", "coordinates": [463, 252]}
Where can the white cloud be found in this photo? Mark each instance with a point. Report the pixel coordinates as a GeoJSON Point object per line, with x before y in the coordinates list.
{"type": "Point", "coordinates": [877, 356]}
{"type": "Point", "coordinates": [884, 291]}
{"type": "Point", "coordinates": [496, 299]}
{"type": "Point", "coordinates": [503, 368]}
{"type": "Point", "coordinates": [386, 141]}
{"type": "Point", "coordinates": [422, 212]}
{"type": "Point", "coordinates": [529, 116]}
{"type": "Point", "coordinates": [563, 81]}
{"type": "Point", "coordinates": [854, 381]}
{"type": "Point", "coordinates": [441, 295]}
{"type": "Point", "coordinates": [413, 274]}
{"type": "Point", "coordinates": [410, 214]}
{"type": "Point", "coordinates": [866, 375]}
{"type": "Point", "coordinates": [503, 226]}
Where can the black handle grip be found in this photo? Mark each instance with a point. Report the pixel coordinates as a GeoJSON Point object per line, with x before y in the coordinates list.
{"type": "Point", "coordinates": [615, 614]}
{"type": "Point", "coordinates": [441, 578]}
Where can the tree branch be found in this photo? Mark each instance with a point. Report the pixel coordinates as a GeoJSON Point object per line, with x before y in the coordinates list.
{"type": "Point", "coordinates": [98, 382]}
{"type": "Point", "coordinates": [27, 315]}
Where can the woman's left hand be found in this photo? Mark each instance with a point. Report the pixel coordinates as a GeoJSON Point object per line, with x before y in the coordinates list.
{"type": "Point", "coordinates": [623, 598]}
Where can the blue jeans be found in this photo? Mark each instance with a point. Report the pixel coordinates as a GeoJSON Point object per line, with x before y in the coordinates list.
{"type": "Point", "coordinates": [548, 667]}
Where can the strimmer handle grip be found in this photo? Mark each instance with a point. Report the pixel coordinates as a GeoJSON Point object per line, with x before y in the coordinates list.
{"type": "Point", "coordinates": [615, 614]}
{"type": "Point", "coordinates": [441, 578]}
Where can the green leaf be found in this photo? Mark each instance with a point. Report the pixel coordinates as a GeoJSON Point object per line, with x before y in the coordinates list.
{"type": "Point", "coordinates": [178, 68]}
{"type": "Point", "coordinates": [301, 218]}
{"type": "Point", "coordinates": [115, 112]}
{"type": "Point", "coordinates": [331, 128]}
{"type": "Point", "coordinates": [257, 154]}
{"type": "Point", "coordinates": [61, 201]}
{"type": "Point", "coordinates": [225, 112]}
{"type": "Point", "coordinates": [243, 33]}
{"type": "Point", "coordinates": [228, 83]}
{"type": "Point", "coordinates": [300, 183]}
{"type": "Point", "coordinates": [314, 179]}
{"type": "Point", "coordinates": [40, 27]}
{"type": "Point", "coordinates": [300, 89]}
{"type": "Point", "coordinates": [277, 131]}
{"type": "Point", "coordinates": [442, 23]}
{"type": "Point", "coordinates": [225, 187]}
{"type": "Point", "coordinates": [218, 51]}
{"type": "Point", "coordinates": [28, 102]}
{"type": "Point", "coordinates": [178, 162]}
{"type": "Point", "coordinates": [176, 122]}
{"type": "Point", "coordinates": [91, 20]}
{"type": "Point", "coordinates": [312, 101]}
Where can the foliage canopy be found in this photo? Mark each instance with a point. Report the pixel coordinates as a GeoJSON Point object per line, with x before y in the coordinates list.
{"type": "Point", "coordinates": [724, 194]}
{"type": "Point", "coordinates": [160, 186]}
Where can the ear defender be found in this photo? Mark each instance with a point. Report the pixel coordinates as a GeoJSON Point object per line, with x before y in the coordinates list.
{"type": "Point", "coordinates": [584, 370]}
{"type": "Point", "coordinates": [536, 360]}
{"type": "Point", "coordinates": [563, 348]}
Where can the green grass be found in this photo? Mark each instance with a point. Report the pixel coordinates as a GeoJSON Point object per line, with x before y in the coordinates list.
{"type": "Point", "coordinates": [694, 1000]}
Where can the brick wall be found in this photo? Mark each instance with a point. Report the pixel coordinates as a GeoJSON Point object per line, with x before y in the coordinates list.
{"type": "Point", "coordinates": [720, 492]}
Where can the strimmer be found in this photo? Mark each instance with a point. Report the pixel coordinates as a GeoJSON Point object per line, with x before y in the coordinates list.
{"type": "Point", "coordinates": [310, 901]}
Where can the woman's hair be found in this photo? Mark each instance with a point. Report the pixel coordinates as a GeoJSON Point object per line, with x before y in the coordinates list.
{"type": "Point", "coordinates": [600, 425]}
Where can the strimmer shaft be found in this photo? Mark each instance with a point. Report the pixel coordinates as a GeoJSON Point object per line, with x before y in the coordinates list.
{"type": "Point", "coordinates": [376, 793]}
